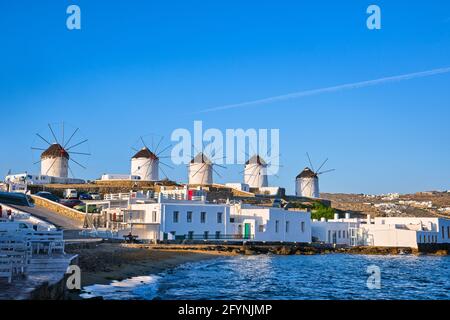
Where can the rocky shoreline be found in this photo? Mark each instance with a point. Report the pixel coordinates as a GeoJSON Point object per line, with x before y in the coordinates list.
{"type": "Point", "coordinates": [298, 249]}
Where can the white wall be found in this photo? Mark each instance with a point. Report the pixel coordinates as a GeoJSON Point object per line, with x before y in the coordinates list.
{"type": "Point", "coordinates": [331, 232]}
{"type": "Point", "coordinates": [264, 223]}
{"type": "Point", "coordinates": [255, 175]}
{"type": "Point", "coordinates": [165, 217]}
{"type": "Point", "coordinates": [238, 186]}
{"type": "Point", "coordinates": [439, 225]}
{"type": "Point", "coordinates": [307, 187]}
{"type": "Point", "coordinates": [200, 173]}
{"type": "Point", "coordinates": [147, 169]}
{"type": "Point", "coordinates": [55, 167]}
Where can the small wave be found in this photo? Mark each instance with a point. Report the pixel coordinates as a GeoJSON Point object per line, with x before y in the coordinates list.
{"type": "Point", "coordinates": [144, 287]}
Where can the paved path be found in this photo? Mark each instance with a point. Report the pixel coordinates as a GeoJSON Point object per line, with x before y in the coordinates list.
{"type": "Point", "coordinates": [70, 226]}
{"type": "Point", "coordinates": [54, 218]}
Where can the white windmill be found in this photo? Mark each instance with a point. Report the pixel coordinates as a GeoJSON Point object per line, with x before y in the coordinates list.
{"type": "Point", "coordinates": [307, 182]}
{"type": "Point", "coordinates": [145, 163]}
{"type": "Point", "coordinates": [200, 170]}
{"type": "Point", "coordinates": [201, 167]}
{"type": "Point", "coordinates": [255, 172]}
{"type": "Point", "coordinates": [55, 159]}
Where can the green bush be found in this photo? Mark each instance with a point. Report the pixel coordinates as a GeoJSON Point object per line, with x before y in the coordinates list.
{"type": "Point", "coordinates": [321, 211]}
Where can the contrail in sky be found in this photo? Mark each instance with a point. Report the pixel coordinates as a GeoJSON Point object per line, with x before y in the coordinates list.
{"type": "Point", "coordinates": [342, 87]}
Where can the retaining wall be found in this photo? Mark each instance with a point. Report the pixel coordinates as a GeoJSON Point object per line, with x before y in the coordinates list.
{"type": "Point", "coordinates": [58, 208]}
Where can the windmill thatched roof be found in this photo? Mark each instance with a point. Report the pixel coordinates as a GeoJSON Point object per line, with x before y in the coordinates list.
{"type": "Point", "coordinates": [307, 173]}
{"type": "Point", "coordinates": [145, 153]}
{"type": "Point", "coordinates": [256, 159]}
{"type": "Point", "coordinates": [200, 158]}
{"type": "Point", "coordinates": [55, 151]}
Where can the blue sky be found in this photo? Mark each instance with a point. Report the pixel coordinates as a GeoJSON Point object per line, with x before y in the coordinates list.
{"type": "Point", "coordinates": [140, 67]}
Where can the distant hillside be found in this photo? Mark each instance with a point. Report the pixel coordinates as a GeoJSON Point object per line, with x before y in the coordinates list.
{"type": "Point", "coordinates": [424, 204]}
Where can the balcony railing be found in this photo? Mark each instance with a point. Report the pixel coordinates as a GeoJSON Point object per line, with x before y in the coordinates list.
{"type": "Point", "coordinates": [214, 237]}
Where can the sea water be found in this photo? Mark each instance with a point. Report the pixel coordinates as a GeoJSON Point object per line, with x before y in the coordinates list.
{"type": "Point", "coordinates": [319, 277]}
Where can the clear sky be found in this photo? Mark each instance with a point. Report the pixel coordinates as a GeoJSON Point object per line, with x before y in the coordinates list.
{"type": "Point", "coordinates": [140, 67]}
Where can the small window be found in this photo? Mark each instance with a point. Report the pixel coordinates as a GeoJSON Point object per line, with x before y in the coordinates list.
{"type": "Point", "coordinates": [154, 216]}
{"type": "Point", "coordinates": [339, 234]}
{"type": "Point", "coordinates": [175, 216]}
{"type": "Point", "coordinates": [448, 232]}
{"type": "Point", "coordinates": [218, 235]}
{"type": "Point", "coordinates": [219, 217]}
{"type": "Point", "coordinates": [191, 235]}
{"type": "Point", "coordinates": [287, 226]}
{"type": "Point", "coordinates": [206, 235]}
{"type": "Point", "coordinates": [329, 235]}
{"type": "Point", "coordinates": [443, 232]}
{"type": "Point", "coordinates": [203, 217]}
{"type": "Point", "coordinates": [232, 220]}
{"type": "Point", "coordinates": [261, 228]}
{"type": "Point", "coordinates": [277, 226]}
{"type": "Point", "coordinates": [303, 226]}
{"type": "Point", "coordinates": [189, 216]}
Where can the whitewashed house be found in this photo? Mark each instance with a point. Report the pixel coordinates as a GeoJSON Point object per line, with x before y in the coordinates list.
{"type": "Point", "coordinates": [406, 232]}
{"type": "Point", "coordinates": [383, 232]}
{"type": "Point", "coordinates": [331, 232]}
{"type": "Point", "coordinates": [187, 216]}
{"type": "Point", "coordinates": [270, 224]}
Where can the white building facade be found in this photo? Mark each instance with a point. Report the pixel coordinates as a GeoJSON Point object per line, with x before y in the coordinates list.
{"type": "Point", "coordinates": [175, 219]}
{"type": "Point", "coordinates": [383, 232]}
{"type": "Point", "coordinates": [271, 224]}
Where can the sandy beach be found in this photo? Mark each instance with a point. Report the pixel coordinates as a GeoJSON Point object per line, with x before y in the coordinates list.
{"type": "Point", "coordinates": [106, 262]}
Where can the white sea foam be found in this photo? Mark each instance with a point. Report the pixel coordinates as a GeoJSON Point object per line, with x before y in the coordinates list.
{"type": "Point", "coordinates": [137, 288]}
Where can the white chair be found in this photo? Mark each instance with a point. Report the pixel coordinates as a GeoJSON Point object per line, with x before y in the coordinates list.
{"type": "Point", "coordinates": [6, 270]}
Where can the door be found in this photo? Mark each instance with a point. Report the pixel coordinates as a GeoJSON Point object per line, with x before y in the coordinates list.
{"type": "Point", "coordinates": [247, 230]}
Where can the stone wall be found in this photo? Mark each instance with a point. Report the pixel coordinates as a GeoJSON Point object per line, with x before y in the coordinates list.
{"type": "Point", "coordinates": [58, 208]}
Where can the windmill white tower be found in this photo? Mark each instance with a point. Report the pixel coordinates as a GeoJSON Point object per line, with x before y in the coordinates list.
{"type": "Point", "coordinates": [255, 173]}
{"type": "Point", "coordinates": [56, 157]}
{"type": "Point", "coordinates": [200, 170]}
{"type": "Point", "coordinates": [307, 182]}
{"type": "Point", "coordinates": [55, 162]}
{"type": "Point", "coordinates": [145, 164]}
